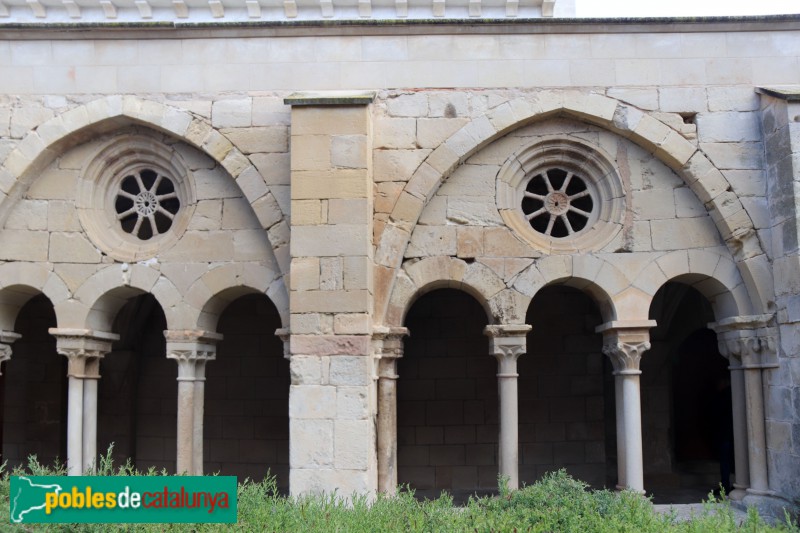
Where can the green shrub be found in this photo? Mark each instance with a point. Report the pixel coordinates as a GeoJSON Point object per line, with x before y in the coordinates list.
{"type": "Point", "coordinates": [556, 503]}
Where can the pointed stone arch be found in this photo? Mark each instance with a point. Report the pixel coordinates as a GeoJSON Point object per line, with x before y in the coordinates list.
{"type": "Point", "coordinates": [668, 145]}
{"type": "Point", "coordinates": [43, 144]}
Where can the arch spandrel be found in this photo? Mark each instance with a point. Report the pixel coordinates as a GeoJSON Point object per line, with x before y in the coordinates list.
{"type": "Point", "coordinates": [19, 282]}
{"type": "Point", "coordinates": [83, 123]}
{"type": "Point", "coordinates": [668, 145]}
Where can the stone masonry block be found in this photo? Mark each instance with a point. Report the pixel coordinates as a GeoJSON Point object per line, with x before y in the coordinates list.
{"type": "Point", "coordinates": [311, 152]}
{"type": "Point", "coordinates": [349, 151]}
{"type": "Point", "coordinates": [685, 233]}
{"type": "Point", "coordinates": [235, 113]}
{"type": "Point", "coordinates": [357, 272]}
{"type": "Point", "coordinates": [353, 439]}
{"type": "Point", "coordinates": [352, 324]}
{"type": "Point", "coordinates": [356, 301]}
{"type": "Point", "coordinates": [408, 105]}
{"type": "Point", "coordinates": [309, 212]}
{"type": "Point", "coordinates": [23, 245]}
{"type": "Point", "coordinates": [398, 133]}
{"type": "Point", "coordinates": [310, 441]}
{"type": "Point", "coordinates": [682, 99]}
{"type": "Point", "coordinates": [731, 126]}
{"type": "Point", "coordinates": [72, 248]}
{"type": "Point", "coordinates": [312, 402]}
{"type": "Point", "coordinates": [352, 403]}
{"type": "Point", "coordinates": [28, 214]}
{"type": "Point", "coordinates": [342, 183]}
{"type": "Point", "coordinates": [330, 241]}
{"type": "Point", "coordinates": [431, 132]}
{"type": "Point", "coordinates": [432, 240]}
{"type": "Point", "coordinates": [351, 371]}
{"type": "Point", "coordinates": [348, 211]}
{"type": "Point", "coordinates": [325, 345]}
{"type": "Point", "coordinates": [305, 274]}
{"type": "Point", "coordinates": [396, 165]}
{"type": "Point", "coordinates": [264, 139]}
{"type": "Point", "coordinates": [342, 120]}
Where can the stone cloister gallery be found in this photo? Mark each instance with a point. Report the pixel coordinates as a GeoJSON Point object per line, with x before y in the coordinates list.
{"type": "Point", "coordinates": [243, 238]}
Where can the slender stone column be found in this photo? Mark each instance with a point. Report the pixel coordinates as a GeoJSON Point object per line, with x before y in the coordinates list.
{"type": "Point", "coordinates": [506, 344]}
{"type": "Point", "coordinates": [749, 339]}
{"type": "Point", "coordinates": [624, 343]}
{"type": "Point", "coordinates": [83, 348]}
{"type": "Point", "coordinates": [91, 374]}
{"type": "Point", "coordinates": [740, 448]}
{"type": "Point", "coordinates": [7, 338]}
{"type": "Point", "coordinates": [191, 349]}
{"type": "Point", "coordinates": [388, 344]}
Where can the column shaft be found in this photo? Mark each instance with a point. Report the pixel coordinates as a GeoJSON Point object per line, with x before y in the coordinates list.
{"type": "Point", "coordinates": [634, 467]}
{"type": "Point", "coordinates": [75, 426]}
{"type": "Point", "coordinates": [185, 426]}
{"type": "Point", "coordinates": [740, 447]}
{"type": "Point", "coordinates": [387, 434]}
{"type": "Point", "coordinates": [197, 421]}
{"type": "Point", "coordinates": [90, 414]}
{"type": "Point", "coordinates": [509, 421]}
{"type": "Point", "coordinates": [619, 402]}
{"type": "Point", "coordinates": [756, 435]}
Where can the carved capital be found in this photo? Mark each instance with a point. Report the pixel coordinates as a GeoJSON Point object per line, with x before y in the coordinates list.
{"type": "Point", "coordinates": [747, 341]}
{"type": "Point", "coordinates": [83, 349]}
{"type": "Point", "coordinates": [624, 342]}
{"type": "Point", "coordinates": [191, 349]}
{"type": "Point", "coordinates": [284, 335]}
{"type": "Point", "coordinates": [507, 342]}
{"type": "Point", "coordinates": [387, 346]}
{"type": "Point", "coordinates": [7, 338]}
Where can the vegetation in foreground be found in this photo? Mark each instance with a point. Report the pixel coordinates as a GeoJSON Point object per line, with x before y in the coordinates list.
{"type": "Point", "coordinates": [556, 503]}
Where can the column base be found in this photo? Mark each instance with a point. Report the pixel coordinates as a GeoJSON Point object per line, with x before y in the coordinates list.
{"type": "Point", "coordinates": [621, 488]}
{"type": "Point", "coordinates": [769, 505]}
{"type": "Point", "coordinates": [736, 495]}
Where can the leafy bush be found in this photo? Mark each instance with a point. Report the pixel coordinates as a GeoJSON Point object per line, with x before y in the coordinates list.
{"type": "Point", "coordinates": [556, 503]}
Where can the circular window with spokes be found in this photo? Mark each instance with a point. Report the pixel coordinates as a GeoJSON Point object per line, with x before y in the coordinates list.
{"type": "Point", "coordinates": [561, 195]}
{"type": "Point", "coordinates": [146, 204]}
{"type": "Point", "coordinates": [557, 203]}
{"type": "Point", "coordinates": [136, 197]}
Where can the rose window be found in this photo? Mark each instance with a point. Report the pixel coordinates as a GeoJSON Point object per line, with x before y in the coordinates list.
{"type": "Point", "coordinates": [557, 203]}
{"type": "Point", "coordinates": [146, 204]}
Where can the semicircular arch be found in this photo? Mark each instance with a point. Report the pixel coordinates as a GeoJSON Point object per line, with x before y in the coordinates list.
{"type": "Point", "coordinates": [210, 294]}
